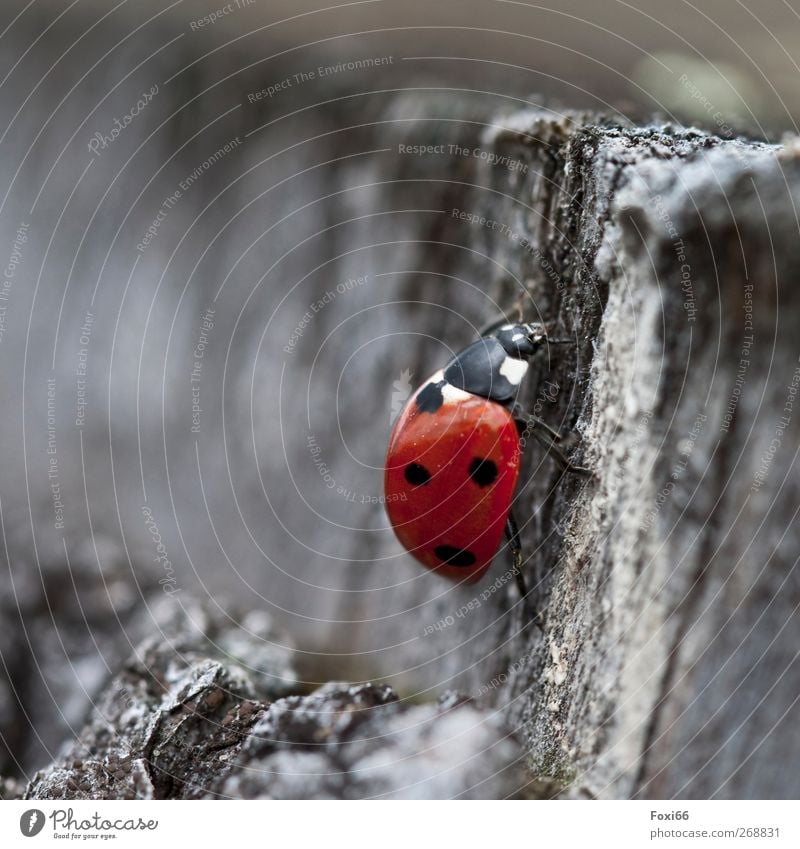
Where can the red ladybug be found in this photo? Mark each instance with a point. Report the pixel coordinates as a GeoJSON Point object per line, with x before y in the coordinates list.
{"type": "Point", "coordinates": [454, 457]}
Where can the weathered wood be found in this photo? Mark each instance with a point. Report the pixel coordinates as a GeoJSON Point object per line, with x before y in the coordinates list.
{"type": "Point", "coordinates": [674, 589]}
{"type": "Point", "coordinates": [187, 720]}
{"type": "Point", "coordinates": [667, 664]}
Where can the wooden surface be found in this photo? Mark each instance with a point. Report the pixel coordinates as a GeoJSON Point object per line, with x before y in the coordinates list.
{"type": "Point", "coordinates": [667, 663]}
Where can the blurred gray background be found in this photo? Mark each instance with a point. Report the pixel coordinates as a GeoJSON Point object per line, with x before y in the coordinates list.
{"type": "Point", "coordinates": [267, 183]}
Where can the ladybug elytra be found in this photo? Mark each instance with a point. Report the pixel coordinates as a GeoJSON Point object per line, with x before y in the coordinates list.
{"type": "Point", "coordinates": [454, 457]}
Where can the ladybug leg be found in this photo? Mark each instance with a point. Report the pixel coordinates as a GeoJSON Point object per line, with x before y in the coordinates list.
{"type": "Point", "coordinates": [529, 422]}
{"type": "Point", "coordinates": [549, 439]}
{"type": "Point", "coordinates": [512, 535]}
{"type": "Point", "coordinates": [514, 544]}
{"type": "Point", "coordinates": [562, 461]}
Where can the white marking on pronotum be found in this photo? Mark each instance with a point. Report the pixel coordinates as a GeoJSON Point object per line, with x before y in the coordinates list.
{"type": "Point", "coordinates": [513, 370]}
{"type": "Point", "coordinates": [454, 395]}
{"type": "Point", "coordinates": [451, 394]}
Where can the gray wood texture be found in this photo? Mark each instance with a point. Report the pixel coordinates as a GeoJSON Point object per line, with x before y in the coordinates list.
{"type": "Point", "coordinates": [667, 662]}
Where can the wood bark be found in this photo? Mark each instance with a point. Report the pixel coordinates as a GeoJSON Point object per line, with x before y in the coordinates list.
{"type": "Point", "coordinates": [667, 663]}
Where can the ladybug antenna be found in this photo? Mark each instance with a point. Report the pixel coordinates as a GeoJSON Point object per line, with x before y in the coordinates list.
{"type": "Point", "coordinates": [491, 326]}
{"type": "Point", "coordinates": [550, 341]}
{"type": "Point", "coordinates": [536, 332]}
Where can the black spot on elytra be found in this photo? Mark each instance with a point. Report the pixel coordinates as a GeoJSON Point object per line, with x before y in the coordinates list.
{"type": "Point", "coordinates": [431, 398]}
{"type": "Point", "coordinates": [417, 475]}
{"type": "Point", "coordinates": [482, 471]}
{"type": "Point", "coordinates": [453, 556]}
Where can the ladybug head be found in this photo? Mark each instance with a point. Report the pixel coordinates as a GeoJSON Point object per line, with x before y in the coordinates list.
{"type": "Point", "coordinates": [521, 340]}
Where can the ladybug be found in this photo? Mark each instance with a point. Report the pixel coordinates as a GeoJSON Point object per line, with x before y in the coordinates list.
{"type": "Point", "coordinates": [454, 456]}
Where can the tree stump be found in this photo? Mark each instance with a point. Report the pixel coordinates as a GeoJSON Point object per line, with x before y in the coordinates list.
{"type": "Point", "coordinates": [666, 665]}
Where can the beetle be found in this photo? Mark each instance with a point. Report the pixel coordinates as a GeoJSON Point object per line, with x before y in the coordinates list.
{"type": "Point", "coordinates": [454, 456]}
